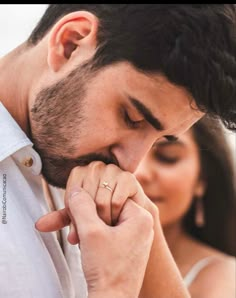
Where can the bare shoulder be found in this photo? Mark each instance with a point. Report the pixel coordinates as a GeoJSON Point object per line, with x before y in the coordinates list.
{"type": "Point", "coordinates": [217, 279]}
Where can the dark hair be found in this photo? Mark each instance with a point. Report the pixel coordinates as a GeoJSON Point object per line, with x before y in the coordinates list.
{"type": "Point", "coordinates": [219, 200]}
{"type": "Point", "coordinates": [193, 46]}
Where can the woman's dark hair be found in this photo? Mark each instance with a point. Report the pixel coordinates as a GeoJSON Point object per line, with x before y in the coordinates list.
{"type": "Point", "coordinates": [219, 200]}
{"type": "Point", "coordinates": [192, 45]}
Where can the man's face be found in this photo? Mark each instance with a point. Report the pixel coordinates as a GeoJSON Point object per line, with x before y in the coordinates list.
{"type": "Point", "coordinates": [113, 115]}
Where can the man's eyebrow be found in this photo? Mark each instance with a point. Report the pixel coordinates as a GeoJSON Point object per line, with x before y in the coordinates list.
{"type": "Point", "coordinates": [150, 118]}
{"type": "Point", "coordinates": [147, 114]}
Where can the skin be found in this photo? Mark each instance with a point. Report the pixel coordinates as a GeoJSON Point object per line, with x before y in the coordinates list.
{"type": "Point", "coordinates": [170, 175]}
{"type": "Point", "coordinates": [110, 205]}
{"type": "Point", "coordinates": [102, 102]}
{"type": "Point", "coordinates": [104, 281]}
{"type": "Point", "coordinates": [107, 100]}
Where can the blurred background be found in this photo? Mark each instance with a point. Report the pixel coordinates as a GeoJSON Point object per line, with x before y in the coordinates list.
{"type": "Point", "coordinates": [18, 20]}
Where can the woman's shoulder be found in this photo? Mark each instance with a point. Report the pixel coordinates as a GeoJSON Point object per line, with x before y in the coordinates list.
{"type": "Point", "coordinates": [216, 278]}
{"type": "Point", "coordinates": [208, 272]}
{"type": "Point", "coordinates": [220, 263]}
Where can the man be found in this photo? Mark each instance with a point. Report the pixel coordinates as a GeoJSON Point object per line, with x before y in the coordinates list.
{"type": "Point", "coordinates": [100, 82]}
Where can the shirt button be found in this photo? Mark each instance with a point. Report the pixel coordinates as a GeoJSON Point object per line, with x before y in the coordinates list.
{"type": "Point", "coordinates": [28, 162]}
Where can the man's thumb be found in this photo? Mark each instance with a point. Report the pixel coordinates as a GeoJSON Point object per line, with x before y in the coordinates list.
{"type": "Point", "coordinates": [83, 210]}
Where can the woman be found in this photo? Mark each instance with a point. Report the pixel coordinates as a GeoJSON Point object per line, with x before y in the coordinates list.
{"type": "Point", "coordinates": [191, 187]}
{"type": "Point", "coordinates": [192, 183]}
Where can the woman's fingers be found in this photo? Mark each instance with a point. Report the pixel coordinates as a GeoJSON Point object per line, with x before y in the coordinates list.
{"type": "Point", "coordinates": [100, 182]}
{"type": "Point", "coordinates": [104, 196]}
{"type": "Point", "coordinates": [107, 185]}
{"type": "Point", "coordinates": [127, 187]}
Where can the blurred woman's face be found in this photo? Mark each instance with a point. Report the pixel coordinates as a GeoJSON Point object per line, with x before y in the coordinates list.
{"type": "Point", "coordinates": [169, 174]}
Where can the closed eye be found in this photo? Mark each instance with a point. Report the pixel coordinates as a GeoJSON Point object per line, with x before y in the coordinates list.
{"type": "Point", "coordinates": [166, 159]}
{"type": "Point", "coordinates": [131, 123]}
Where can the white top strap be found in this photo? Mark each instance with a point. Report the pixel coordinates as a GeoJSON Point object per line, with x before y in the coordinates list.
{"type": "Point", "coordinates": [193, 272]}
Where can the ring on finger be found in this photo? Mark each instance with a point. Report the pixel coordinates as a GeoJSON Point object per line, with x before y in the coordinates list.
{"type": "Point", "coordinates": [105, 184]}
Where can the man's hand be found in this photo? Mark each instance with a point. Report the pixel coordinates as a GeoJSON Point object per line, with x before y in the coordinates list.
{"type": "Point", "coordinates": [114, 258]}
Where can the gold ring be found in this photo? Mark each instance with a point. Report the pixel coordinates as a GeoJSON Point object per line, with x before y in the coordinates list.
{"type": "Point", "coordinates": [106, 185]}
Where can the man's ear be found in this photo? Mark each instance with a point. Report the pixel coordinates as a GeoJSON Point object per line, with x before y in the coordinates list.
{"type": "Point", "coordinates": [75, 33]}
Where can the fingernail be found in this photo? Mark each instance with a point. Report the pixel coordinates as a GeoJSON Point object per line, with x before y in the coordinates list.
{"type": "Point", "coordinates": [75, 192]}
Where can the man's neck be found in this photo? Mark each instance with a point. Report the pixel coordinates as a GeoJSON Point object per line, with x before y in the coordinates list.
{"type": "Point", "coordinates": [19, 69]}
{"type": "Point", "coordinates": [13, 87]}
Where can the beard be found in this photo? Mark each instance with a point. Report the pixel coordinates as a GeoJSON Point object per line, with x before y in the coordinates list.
{"type": "Point", "coordinates": [56, 169]}
{"type": "Point", "coordinates": [56, 112]}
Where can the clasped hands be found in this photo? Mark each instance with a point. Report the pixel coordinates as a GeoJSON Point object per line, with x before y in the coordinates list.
{"type": "Point", "coordinates": [112, 220]}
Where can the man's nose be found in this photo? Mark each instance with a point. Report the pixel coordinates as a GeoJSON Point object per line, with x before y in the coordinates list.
{"type": "Point", "coordinates": [144, 170]}
{"type": "Point", "coordinates": [130, 154]}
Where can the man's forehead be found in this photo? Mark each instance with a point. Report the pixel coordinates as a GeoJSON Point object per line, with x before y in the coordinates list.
{"type": "Point", "coordinates": [174, 116]}
{"type": "Point", "coordinates": [181, 126]}
{"type": "Point", "coordinates": [166, 106]}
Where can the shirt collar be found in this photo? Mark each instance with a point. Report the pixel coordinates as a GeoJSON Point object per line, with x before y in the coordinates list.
{"type": "Point", "coordinates": [13, 139]}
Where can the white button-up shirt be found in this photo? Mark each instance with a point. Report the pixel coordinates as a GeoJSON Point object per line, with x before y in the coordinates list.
{"type": "Point", "coordinates": [32, 264]}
